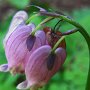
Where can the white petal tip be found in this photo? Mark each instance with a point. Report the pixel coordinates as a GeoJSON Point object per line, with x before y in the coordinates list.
{"type": "Point", "coordinates": [40, 8]}
{"type": "Point", "coordinates": [4, 68]}
{"type": "Point", "coordinates": [23, 85]}
{"type": "Point", "coordinates": [22, 14]}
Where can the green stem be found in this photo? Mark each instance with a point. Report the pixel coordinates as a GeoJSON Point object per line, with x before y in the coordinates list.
{"type": "Point", "coordinates": [87, 38]}
{"type": "Point", "coordinates": [58, 42]}
{"type": "Point", "coordinates": [44, 21]}
{"type": "Point", "coordinates": [70, 32]}
{"type": "Point", "coordinates": [33, 16]}
{"type": "Point", "coordinates": [81, 30]}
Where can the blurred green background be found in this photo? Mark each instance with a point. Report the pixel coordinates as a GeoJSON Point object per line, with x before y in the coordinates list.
{"type": "Point", "coordinates": [73, 74]}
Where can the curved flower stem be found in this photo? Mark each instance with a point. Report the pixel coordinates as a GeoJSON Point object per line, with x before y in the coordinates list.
{"type": "Point", "coordinates": [67, 33]}
{"type": "Point", "coordinates": [87, 38]}
{"type": "Point", "coordinates": [44, 21]}
{"type": "Point", "coordinates": [81, 30]}
{"type": "Point", "coordinates": [33, 16]}
{"type": "Point", "coordinates": [56, 45]}
{"type": "Point", "coordinates": [70, 32]}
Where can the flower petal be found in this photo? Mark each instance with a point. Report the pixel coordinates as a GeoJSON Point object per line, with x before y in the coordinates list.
{"type": "Point", "coordinates": [30, 42]}
{"type": "Point", "coordinates": [51, 60]}
{"type": "Point", "coordinates": [24, 30]}
{"type": "Point", "coordinates": [18, 19]}
{"type": "Point", "coordinates": [34, 70]}
{"type": "Point", "coordinates": [61, 52]}
{"type": "Point", "coordinates": [16, 49]}
{"type": "Point", "coordinates": [23, 85]}
{"type": "Point", "coordinates": [4, 68]}
{"type": "Point", "coordinates": [41, 35]}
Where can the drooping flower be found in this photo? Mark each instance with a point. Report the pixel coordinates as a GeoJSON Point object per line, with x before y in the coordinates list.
{"type": "Point", "coordinates": [37, 73]}
{"type": "Point", "coordinates": [18, 19]}
{"type": "Point", "coordinates": [16, 43]}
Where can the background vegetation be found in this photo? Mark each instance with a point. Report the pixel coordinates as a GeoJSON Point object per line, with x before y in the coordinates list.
{"type": "Point", "coordinates": [73, 74]}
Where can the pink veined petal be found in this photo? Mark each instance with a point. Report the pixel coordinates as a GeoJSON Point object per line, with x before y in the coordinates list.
{"type": "Point", "coordinates": [19, 31]}
{"type": "Point", "coordinates": [60, 52]}
{"type": "Point", "coordinates": [36, 65]}
{"type": "Point", "coordinates": [36, 70]}
{"type": "Point", "coordinates": [41, 35]}
{"type": "Point", "coordinates": [16, 51]}
{"type": "Point", "coordinates": [17, 55]}
{"type": "Point", "coordinates": [18, 19]}
{"type": "Point", "coordinates": [37, 44]}
{"type": "Point", "coordinates": [16, 38]}
{"type": "Point", "coordinates": [21, 55]}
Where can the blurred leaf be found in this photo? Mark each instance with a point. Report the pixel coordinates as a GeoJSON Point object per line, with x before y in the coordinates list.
{"type": "Point", "coordinates": [19, 3]}
{"type": "Point", "coordinates": [36, 20]}
{"type": "Point", "coordinates": [54, 86]}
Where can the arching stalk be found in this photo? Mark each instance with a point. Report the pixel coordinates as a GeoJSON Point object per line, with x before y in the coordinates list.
{"type": "Point", "coordinates": [39, 25]}
{"type": "Point", "coordinates": [58, 42]}
{"type": "Point", "coordinates": [81, 30]}
{"type": "Point", "coordinates": [87, 38]}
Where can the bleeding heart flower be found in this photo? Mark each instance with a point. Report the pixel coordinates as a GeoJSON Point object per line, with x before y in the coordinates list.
{"type": "Point", "coordinates": [19, 18]}
{"type": "Point", "coordinates": [37, 72]}
{"type": "Point", "coordinates": [16, 50]}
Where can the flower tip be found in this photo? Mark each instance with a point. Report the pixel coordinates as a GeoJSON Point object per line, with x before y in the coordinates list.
{"type": "Point", "coordinates": [21, 14]}
{"type": "Point", "coordinates": [50, 61]}
{"type": "Point", "coordinates": [61, 52]}
{"type": "Point", "coordinates": [30, 42]}
{"type": "Point", "coordinates": [23, 85]}
{"type": "Point", "coordinates": [4, 68]}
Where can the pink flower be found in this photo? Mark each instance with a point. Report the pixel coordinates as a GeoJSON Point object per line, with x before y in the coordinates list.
{"type": "Point", "coordinates": [38, 72]}
{"type": "Point", "coordinates": [16, 42]}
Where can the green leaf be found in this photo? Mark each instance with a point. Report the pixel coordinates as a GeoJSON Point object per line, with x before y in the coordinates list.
{"type": "Point", "coordinates": [19, 3]}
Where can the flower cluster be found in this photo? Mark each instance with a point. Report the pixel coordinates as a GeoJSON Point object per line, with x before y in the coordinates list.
{"type": "Point", "coordinates": [32, 55]}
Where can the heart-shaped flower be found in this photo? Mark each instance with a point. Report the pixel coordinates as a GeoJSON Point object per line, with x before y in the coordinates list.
{"type": "Point", "coordinates": [16, 42]}
{"type": "Point", "coordinates": [37, 72]}
{"type": "Point", "coordinates": [18, 19]}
